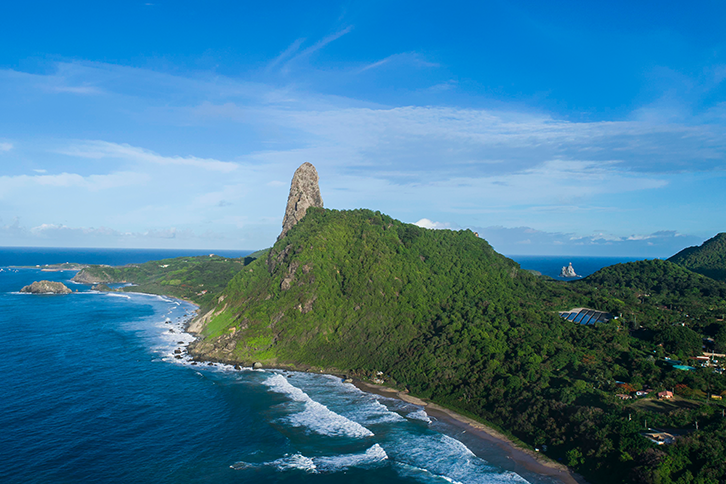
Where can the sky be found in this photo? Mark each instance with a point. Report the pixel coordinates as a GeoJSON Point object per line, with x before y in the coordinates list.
{"type": "Point", "coordinates": [550, 128]}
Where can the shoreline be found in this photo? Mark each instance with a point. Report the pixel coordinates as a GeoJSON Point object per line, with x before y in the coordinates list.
{"type": "Point", "coordinates": [532, 461]}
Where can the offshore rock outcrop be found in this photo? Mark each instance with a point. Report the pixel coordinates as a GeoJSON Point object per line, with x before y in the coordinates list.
{"type": "Point", "coordinates": [46, 287]}
{"type": "Point", "coordinates": [568, 271]}
{"type": "Point", "coordinates": [304, 193]}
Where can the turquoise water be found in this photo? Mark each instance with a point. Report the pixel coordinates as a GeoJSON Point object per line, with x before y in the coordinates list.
{"type": "Point", "coordinates": [92, 392]}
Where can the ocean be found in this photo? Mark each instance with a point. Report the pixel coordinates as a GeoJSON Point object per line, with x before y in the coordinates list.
{"type": "Point", "coordinates": [551, 265]}
{"type": "Point", "coordinates": [92, 391]}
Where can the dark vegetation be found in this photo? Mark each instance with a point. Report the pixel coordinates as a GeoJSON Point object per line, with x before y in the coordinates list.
{"type": "Point", "coordinates": [708, 259]}
{"type": "Point", "coordinates": [443, 315]}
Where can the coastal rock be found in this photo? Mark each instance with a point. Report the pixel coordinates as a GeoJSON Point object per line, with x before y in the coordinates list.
{"type": "Point", "coordinates": [304, 193]}
{"type": "Point", "coordinates": [46, 287]}
{"type": "Point", "coordinates": [85, 276]}
{"type": "Point", "coordinates": [256, 365]}
{"type": "Point", "coordinates": [568, 271]}
{"type": "Point", "coordinates": [101, 287]}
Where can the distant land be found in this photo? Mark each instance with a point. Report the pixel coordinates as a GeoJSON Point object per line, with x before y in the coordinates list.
{"type": "Point", "coordinates": [440, 316]}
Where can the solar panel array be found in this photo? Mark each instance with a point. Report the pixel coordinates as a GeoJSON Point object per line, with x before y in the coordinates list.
{"type": "Point", "coordinates": [586, 316]}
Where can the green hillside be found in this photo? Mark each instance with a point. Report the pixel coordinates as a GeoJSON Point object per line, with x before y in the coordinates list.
{"type": "Point", "coordinates": [341, 277]}
{"type": "Point", "coordinates": [708, 259]}
{"type": "Point", "coordinates": [444, 316]}
{"type": "Point", "coordinates": [200, 279]}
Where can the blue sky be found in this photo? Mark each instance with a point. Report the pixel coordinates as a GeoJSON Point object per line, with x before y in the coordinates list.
{"type": "Point", "coordinates": [550, 128]}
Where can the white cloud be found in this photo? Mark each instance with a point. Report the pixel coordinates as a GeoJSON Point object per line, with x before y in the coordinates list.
{"type": "Point", "coordinates": [5, 147]}
{"type": "Point", "coordinates": [40, 170]}
{"type": "Point", "coordinates": [425, 223]}
{"type": "Point", "coordinates": [105, 149]}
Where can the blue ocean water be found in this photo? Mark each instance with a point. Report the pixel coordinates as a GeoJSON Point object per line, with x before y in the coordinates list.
{"type": "Point", "coordinates": [91, 391]}
{"type": "Point", "coordinates": [552, 265]}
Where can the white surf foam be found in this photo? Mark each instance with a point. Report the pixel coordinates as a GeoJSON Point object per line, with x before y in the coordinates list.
{"type": "Point", "coordinates": [443, 457]}
{"type": "Point", "coordinates": [336, 463]}
{"type": "Point", "coordinates": [110, 294]}
{"type": "Point", "coordinates": [316, 417]}
{"type": "Point", "coordinates": [342, 462]}
{"type": "Point", "coordinates": [419, 414]}
{"type": "Point", "coordinates": [295, 461]}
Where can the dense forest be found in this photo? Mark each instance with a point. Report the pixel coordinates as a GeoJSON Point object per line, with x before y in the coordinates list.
{"type": "Point", "coordinates": [708, 259]}
{"type": "Point", "coordinates": [444, 316]}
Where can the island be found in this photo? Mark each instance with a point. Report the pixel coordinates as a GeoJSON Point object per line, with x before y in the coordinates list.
{"type": "Point", "coordinates": [568, 271]}
{"type": "Point", "coordinates": [46, 287]}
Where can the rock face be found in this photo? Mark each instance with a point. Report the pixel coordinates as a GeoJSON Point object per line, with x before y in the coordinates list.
{"type": "Point", "coordinates": [304, 193]}
{"type": "Point", "coordinates": [47, 287]}
{"type": "Point", "coordinates": [568, 271]}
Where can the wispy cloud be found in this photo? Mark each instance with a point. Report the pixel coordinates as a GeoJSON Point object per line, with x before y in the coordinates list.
{"type": "Point", "coordinates": [5, 147]}
{"type": "Point", "coordinates": [403, 57]}
{"type": "Point", "coordinates": [83, 90]}
{"type": "Point", "coordinates": [317, 45]}
{"type": "Point", "coordinates": [105, 149]}
{"type": "Point", "coordinates": [13, 185]}
{"type": "Point", "coordinates": [525, 240]}
{"type": "Point", "coordinates": [291, 49]}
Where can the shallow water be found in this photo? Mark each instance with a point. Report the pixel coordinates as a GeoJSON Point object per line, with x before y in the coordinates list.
{"type": "Point", "coordinates": [92, 392]}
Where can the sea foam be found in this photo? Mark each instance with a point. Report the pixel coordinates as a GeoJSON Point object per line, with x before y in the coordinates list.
{"type": "Point", "coordinates": [419, 414]}
{"type": "Point", "coordinates": [316, 417]}
{"type": "Point", "coordinates": [335, 463]}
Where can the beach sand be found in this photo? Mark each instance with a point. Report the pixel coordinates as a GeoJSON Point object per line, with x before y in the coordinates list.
{"type": "Point", "coordinates": [532, 461]}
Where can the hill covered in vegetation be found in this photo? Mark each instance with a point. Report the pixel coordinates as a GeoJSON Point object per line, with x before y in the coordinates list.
{"type": "Point", "coordinates": [442, 315]}
{"type": "Point", "coordinates": [708, 259]}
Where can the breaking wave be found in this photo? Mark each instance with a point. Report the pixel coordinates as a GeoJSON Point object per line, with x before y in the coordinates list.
{"type": "Point", "coordinates": [316, 417]}
{"type": "Point", "coordinates": [335, 463]}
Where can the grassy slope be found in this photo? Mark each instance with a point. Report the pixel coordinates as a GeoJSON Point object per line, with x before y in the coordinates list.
{"type": "Point", "coordinates": [184, 277]}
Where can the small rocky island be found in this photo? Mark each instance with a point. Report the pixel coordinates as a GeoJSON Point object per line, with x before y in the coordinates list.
{"type": "Point", "coordinates": [568, 271]}
{"type": "Point", "coordinates": [46, 287]}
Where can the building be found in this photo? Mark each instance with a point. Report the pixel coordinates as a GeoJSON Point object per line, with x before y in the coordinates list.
{"type": "Point", "coordinates": [660, 438]}
{"type": "Point", "coordinates": [665, 395]}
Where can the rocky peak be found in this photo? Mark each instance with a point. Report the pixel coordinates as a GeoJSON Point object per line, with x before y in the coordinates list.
{"type": "Point", "coordinates": [304, 193]}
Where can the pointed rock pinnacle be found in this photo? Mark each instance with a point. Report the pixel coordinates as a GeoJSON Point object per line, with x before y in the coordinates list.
{"type": "Point", "coordinates": [304, 193]}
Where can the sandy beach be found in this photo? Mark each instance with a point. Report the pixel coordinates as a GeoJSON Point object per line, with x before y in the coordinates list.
{"type": "Point", "coordinates": [530, 460]}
